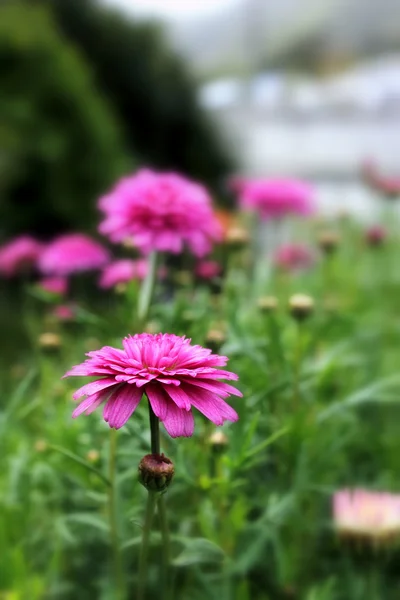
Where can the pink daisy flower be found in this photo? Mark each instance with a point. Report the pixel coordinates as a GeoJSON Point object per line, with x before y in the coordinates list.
{"type": "Point", "coordinates": [375, 235]}
{"type": "Point", "coordinates": [123, 271]}
{"type": "Point", "coordinates": [293, 257]}
{"type": "Point", "coordinates": [65, 312]}
{"type": "Point", "coordinates": [208, 269]}
{"type": "Point", "coordinates": [277, 198]}
{"type": "Point", "coordinates": [18, 254]}
{"type": "Point", "coordinates": [72, 253]}
{"type": "Point", "coordinates": [174, 375]}
{"type": "Point", "coordinates": [160, 211]}
{"type": "Point", "coordinates": [54, 285]}
{"type": "Point", "coordinates": [358, 512]}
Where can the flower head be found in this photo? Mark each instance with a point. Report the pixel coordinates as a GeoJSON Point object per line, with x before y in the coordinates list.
{"type": "Point", "coordinates": [374, 515]}
{"type": "Point", "coordinates": [208, 269]}
{"type": "Point", "coordinates": [64, 312]}
{"type": "Point", "coordinates": [54, 285]}
{"type": "Point", "coordinates": [375, 235]}
{"type": "Point", "coordinates": [18, 254]}
{"type": "Point", "coordinates": [160, 211]}
{"type": "Point", "coordinates": [72, 253]}
{"type": "Point", "coordinates": [277, 198]}
{"type": "Point", "coordinates": [293, 257]}
{"type": "Point", "coordinates": [174, 375]}
{"type": "Point", "coordinates": [123, 271]}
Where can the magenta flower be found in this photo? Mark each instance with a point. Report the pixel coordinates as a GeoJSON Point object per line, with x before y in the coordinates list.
{"type": "Point", "coordinates": [19, 254]}
{"type": "Point", "coordinates": [123, 271]}
{"type": "Point", "coordinates": [208, 269]}
{"type": "Point", "coordinates": [160, 211]}
{"type": "Point", "coordinates": [54, 285]}
{"type": "Point", "coordinates": [72, 253]}
{"type": "Point", "coordinates": [277, 198]}
{"type": "Point", "coordinates": [65, 312]}
{"type": "Point", "coordinates": [376, 235]}
{"type": "Point", "coordinates": [174, 375]}
{"type": "Point", "coordinates": [293, 257]}
{"type": "Point", "coordinates": [368, 514]}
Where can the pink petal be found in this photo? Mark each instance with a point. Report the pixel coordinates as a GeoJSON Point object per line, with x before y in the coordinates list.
{"type": "Point", "coordinates": [158, 400]}
{"type": "Point", "coordinates": [213, 407]}
{"type": "Point", "coordinates": [94, 387]}
{"type": "Point", "coordinates": [219, 388]}
{"type": "Point", "coordinates": [178, 422]}
{"type": "Point", "coordinates": [89, 404]}
{"type": "Point", "coordinates": [178, 395]}
{"type": "Point", "coordinates": [121, 405]}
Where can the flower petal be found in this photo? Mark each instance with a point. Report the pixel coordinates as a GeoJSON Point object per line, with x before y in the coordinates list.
{"type": "Point", "coordinates": [158, 399]}
{"type": "Point", "coordinates": [121, 405]}
{"type": "Point", "coordinates": [178, 395]}
{"type": "Point", "coordinates": [89, 404]}
{"type": "Point", "coordinates": [178, 422]}
{"type": "Point", "coordinates": [218, 387]}
{"type": "Point", "coordinates": [213, 407]}
{"type": "Point", "coordinates": [94, 387]}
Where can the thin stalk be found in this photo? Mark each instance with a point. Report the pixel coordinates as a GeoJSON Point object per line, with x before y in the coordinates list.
{"type": "Point", "coordinates": [297, 365]}
{"type": "Point", "coordinates": [144, 549]}
{"type": "Point", "coordinates": [154, 431]}
{"type": "Point", "coordinates": [112, 516]}
{"type": "Point", "coordinates": [147, 290]}
{"type": "Point", "coordinates": [166, 547]}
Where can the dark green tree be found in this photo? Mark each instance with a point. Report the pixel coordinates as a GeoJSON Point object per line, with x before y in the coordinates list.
{"type": "Point", "coordinates": [149, 87]}
{"type": "Point", "coordinates": [60, 145]}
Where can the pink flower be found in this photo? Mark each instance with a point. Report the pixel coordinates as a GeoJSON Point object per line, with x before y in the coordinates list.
{"type": "Point", "coordinates": [174, 375]}
{"type": "Point", "coordinates": [277, 198]}
{"type": "Point", "coordinates": [369, 514]}
{"type": "Point", "coordinates": [160, 211]}
{"type": "Point", "coordinates": [123, 271]}
{"type": "Point", "coordinates": [376, 235]}
{"type": "Point", "coordinates": [293, 257]}
{"type": "Point", "coordinates": [208, 269]}
{"type": "Point", "coordinates": [72, 253]}
{"type": "Point", "coordinates": [387, 186]}
{"type": "Point", "coordinates": [54, 285]}
{"type": "Point", "coordinates": [18, 254]}
{"type": "Point", "coordinates": [64, 312]}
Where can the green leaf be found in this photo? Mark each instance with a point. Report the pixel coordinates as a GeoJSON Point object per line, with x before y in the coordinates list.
{"type": "Point", "coordinates": [199, 551]}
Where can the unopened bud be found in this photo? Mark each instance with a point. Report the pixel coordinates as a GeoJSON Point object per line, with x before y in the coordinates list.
{"type": "Point", "coordinates": [40, 446]}
{"type": "Point", "coordinates": [267, 304]}
{"type": "Point", "coordinates": [328, 241]}
{"type": "Point", "coordinates": [218, 440]}
{"type": "Point", "coordinates": [152, 327]}
{"type": "Point", "coordinates": [93, 456]}
{"type": "Point", "coordinates": [214, 339]}
{"type": "Point", "coordinates": [156, 472]}
{"type": "Point", "coordinates": [301, 306]}
{"type": "Point", "coordinates": [49, 342]}
{"type": "Point", "coordinates": [237, 237]}
{"type": "Point", "coordinates": [375, 236]}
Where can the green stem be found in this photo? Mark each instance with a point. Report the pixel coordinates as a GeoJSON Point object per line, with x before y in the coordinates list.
{"type": "Point", "coordinates": [154, 431]}
{"type": "Point", "coordinates": [297, 365]}
{"type": "Point", "coordinates": [166, 549]}
{"type": "Point", "coordinates": [147, 290]}
{"type": "Point", "coordinates": [144, 549]}
{"type": "Point", "coordinates": [112, 515]}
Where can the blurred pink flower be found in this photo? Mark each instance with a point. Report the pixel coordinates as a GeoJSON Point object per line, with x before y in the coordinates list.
{"type": "Point", "coordinates": [278, 198]}
{"type": "Point", "coordinates": [208, 269]}
{"type": "Point", "coordinates": [294, 257]}
{"type": "Point", "coordinates": [18, 254]}
{"type": "Point", "coordinates": [65, 312]}
{"type": "Point", "coordinates": [387, 186]}
{"type": "Point", "coordinates": [54, 285]}
{"type": "Point", "coordinates": [160, 211]}
{"type": "Point", "coordinates": [368, 514]}
{"type": "Point", "coordinates": [72, 253]}
{"type": "Point", "coordinates": [376, 235]}
{"type": "Point", "coordinates": [123, 271]}
{"type": "Point", "coordinates": [174, 375]}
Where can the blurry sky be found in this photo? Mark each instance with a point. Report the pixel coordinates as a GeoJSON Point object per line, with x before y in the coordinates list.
{"type": "Point", "coordinates": [173, 9]}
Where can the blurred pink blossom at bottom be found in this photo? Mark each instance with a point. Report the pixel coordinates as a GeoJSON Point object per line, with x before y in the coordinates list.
{"type": "Point", "coordinates": [54, 285]}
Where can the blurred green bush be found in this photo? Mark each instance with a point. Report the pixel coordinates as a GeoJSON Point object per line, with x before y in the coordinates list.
{"type": "Point", "coordinates": [59, 142]}
{"type": "Point", "coordinates": [149, 87]}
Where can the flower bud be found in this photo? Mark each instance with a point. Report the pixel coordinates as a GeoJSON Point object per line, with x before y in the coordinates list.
{"type": "Point", "coordinates": [301, 306]}
{"type": "Point", "coordinates": [218, 441]}
{"type": "Point", "coordinates": [267, 304]}
{"type": "Point", "coordinates": [49, 342]}
{"type": "Point", "coordinates": [40, 445]}
{"type": "Point", "coordinates": [236, 237]}
{"type": "Point", "coordinates": [375, 236]}
{"type": "Point", "coordinates": [328, 241]}
{"type": "Point", "coordinates": [214, 339]}
{"type": "Point", "coordinates": [156, 472]}
{"type": "Point", "coordinates": [93, 456]}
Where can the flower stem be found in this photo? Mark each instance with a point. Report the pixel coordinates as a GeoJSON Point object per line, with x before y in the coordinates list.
{"type": "Point", "coordinates": [165, 542]}
{"type": "Point", "coordinates": [144, 550]}
{"type": "Point", "coordinates": [112, 515]}
{"type": "Point", "coordinates": [297, 365]}
{"type": "Point", "coordinates": [154, 431]}
{"type": "Point", "coordinates": [147, 290]}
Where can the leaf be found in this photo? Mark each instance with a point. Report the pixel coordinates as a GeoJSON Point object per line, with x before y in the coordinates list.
{"type": "Point", "coordinates": [199, 551]}
{"type": "Point", "coordinates": [89, 519]}
{"type": "Point", "coordinates": [81, 462]}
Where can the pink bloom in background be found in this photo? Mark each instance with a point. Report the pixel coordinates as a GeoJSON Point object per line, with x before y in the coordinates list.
{"type": "Point", "coordinates": [208, 269]}
{"type": "Point", "coordinates": [65, 312]}
{"type": "Point", "coordinates": [174, 375]}
{"type": "Point", "coordinates": [294, 257]}
{"type": "Point", "coordinates": [160, 211]}
{"type": "Point", "coordinates": [54, 285]}
{"type": "Point", "coordinates": [123, 271]}
{"type": "Point", "coordinates": [376, 235]}
{"type": "Point", "coordinates": [388, 186]}
{"type": "Point", "coordinates": [361, 512]}
{"type": "Point", "coordinates": [278, 198]}
{"type": "Point", "coordinates": [18, 254]}
{"type": "Point", "coordinates": [72, 253]}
